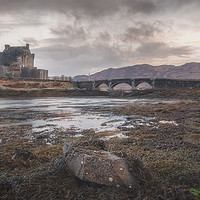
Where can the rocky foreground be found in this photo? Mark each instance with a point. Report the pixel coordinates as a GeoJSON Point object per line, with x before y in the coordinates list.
{"type": "Point", "coordinates": [168, 148]}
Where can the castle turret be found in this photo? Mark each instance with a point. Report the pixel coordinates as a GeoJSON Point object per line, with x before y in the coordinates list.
{"type": "Point", "coordinates": [7, 46]}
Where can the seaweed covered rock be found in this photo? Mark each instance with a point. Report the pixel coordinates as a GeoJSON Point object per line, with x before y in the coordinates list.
{"type": "Point", "coordinates": [100, 167]}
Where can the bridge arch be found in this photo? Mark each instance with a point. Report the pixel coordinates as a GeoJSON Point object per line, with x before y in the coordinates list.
{"type": "Point", "coordinates": [144, 86]}
{"type": "Point", "coordinates": [103, 87]}
{"type": "Point", "coordinates": [148, 81]}
{"type": "Point", "coordinates": [116, 82]}
{"type": "Point", "coordinates": [100, 82]}
{"type": "Point", "coordinates": [123, 87]}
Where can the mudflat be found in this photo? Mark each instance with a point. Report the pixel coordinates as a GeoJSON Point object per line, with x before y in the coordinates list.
{"type": "Point", "coordinates": [164, 136]}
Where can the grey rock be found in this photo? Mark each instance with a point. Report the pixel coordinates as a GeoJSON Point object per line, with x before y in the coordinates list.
{"type": "Point", "coordinates": [100, 167]}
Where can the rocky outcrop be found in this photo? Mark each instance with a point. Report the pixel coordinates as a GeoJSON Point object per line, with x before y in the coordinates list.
{"type": "Point", "coordinates": [100, 167]}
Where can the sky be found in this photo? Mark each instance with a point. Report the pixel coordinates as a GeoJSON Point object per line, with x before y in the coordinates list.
{"type": "Point", "coordinates": [73, 37]}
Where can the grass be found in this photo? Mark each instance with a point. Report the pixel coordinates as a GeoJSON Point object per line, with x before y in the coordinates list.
{"type": "Point", "coordinates": [195, 192]}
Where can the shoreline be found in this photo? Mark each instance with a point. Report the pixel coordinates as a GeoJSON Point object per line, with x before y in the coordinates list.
{"type": "Point", "coordinates": [149, 93]}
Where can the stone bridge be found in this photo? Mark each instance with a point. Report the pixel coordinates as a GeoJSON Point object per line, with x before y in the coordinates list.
{"type": "Point", "coordinates": [154, 83]}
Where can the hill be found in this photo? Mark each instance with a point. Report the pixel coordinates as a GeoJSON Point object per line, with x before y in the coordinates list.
{"type": "Point", "coordinates": [186, 71]}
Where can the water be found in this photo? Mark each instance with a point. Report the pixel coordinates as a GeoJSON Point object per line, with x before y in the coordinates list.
{"type": "Point", "coordinates": [48, 114]}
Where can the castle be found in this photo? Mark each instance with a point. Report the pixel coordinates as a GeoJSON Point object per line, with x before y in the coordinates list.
{"type": "Point", "coordinates": [18, 61]}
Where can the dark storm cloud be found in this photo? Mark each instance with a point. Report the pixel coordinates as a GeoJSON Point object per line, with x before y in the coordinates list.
{"type": "Point", "coordinates": [94, 8]}
{"type": "Point", "coordinates": [178, 3]}
{"type": "Point", "coordinates": [162, 50]}
{"type": "Point", "coordinates": [70, 32]}
{"type": "Point", "coordinates": [136, 6]}
{"type": "Point", "coordinates": [79, 8]}
{"type": "Point", "coordinates": [174, 6]}
{"type": "Point", "coordinates": [142, 32]}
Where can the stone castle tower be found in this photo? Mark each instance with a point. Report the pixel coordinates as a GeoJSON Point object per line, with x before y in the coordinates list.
{"type": "Point", "coordinates": [19, 55]}
{"type": "Point", "coordinates": [18, 61]}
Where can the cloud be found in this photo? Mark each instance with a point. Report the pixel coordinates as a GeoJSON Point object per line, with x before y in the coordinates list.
{"type": "Point", "coordinates": [104, 36]}
{"type": "Point", "coordinates": [78, 35]}
{"type": "Point", "coordinates": [95, 8]}
{"type": "Point", "coordinates": [162, 50]}
{"type": "Point", "coordinates": [33, 42]}
{"type": "Point", "coordinates": [139, 6]}
{"type": "Point", "coordinates": [66, 52]}
{"type": "Point", "coordinates": [70, 32]}
{"type": "Point", "coordinates": [77, 59]}
{"type": "Point", "coordinates": [5, 29]}
{"type": "Point", "coordinates": [60, 52]}
{"type": "Point", "coordinates": [178, 3]}
{"type": "Point", "coordinates": [80, 8]}
{"type": "Point", "coordinates": [142, 32]}
{"type": "Point", "coordinates": [172, 7]}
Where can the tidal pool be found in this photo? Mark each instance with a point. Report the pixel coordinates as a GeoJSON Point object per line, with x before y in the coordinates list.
{"type": "Point", "coordinates": [44, 115]}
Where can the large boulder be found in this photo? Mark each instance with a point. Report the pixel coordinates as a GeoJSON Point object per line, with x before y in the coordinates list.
{"type": "Point", "coordinates": [100, 167]}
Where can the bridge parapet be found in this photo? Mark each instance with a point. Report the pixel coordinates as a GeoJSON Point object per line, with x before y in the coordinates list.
{"type": "Point", "coordinates": [88, 85]}
{"type": "Point", "coordinates": [177, 84]}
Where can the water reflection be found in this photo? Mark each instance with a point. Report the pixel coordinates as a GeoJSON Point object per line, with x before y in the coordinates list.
{"type": "Point", "coordinates": [40, 113]}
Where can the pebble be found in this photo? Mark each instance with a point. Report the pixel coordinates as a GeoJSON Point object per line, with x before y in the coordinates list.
{"type": "Point", "coordinates": [110, 179]}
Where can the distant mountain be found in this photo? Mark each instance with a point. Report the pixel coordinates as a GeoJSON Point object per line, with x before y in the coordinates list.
{"type": "Point", "coordinates": [186, 71]}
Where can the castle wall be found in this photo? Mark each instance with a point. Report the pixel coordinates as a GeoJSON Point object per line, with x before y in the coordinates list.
{"type": "Point", "coordinates": [3, 71]}
{"type": "Point", "coordinates": [27, 72]}
{"type": "Point", "coordinates": [19, 62]}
